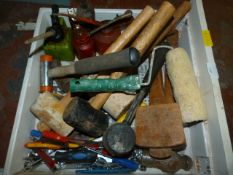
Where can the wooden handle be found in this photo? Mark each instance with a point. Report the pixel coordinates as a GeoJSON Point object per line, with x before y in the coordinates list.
{"type": "Point", "coordinates": [50, 110]}
{"type": "Point", "coordinates": [168, 94]}
{"type": "Point", "coordinates": [160, 95]}
{"type": "Point", "coordinates": [153, 28]}
{"type": "Point", "coordinates": [60, 106]}
{"type": "Point", "coordinates": [129, 33]}
{"type": "Point", "coordinates": [178, 15]}
{"type": "Point", "coordinates": [41, 126]}
{"type": "Point", "coordinates": [42, 36]}
{"type": "Point", "coordinates": [157, 91]}
{"type": "Point", "coordinates": [65, 101]}
{"type": "Point", "coordinates": [143, 41]}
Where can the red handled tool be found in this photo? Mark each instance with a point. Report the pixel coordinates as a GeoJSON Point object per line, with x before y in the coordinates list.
{"type": "Point", "coordinates": [47, 159]}
{"type": "Point", "coordinates": [54, 136]}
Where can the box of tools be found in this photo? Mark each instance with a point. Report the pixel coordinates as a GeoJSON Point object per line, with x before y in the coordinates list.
{"type": "Point", "coordinates": [202, 147]}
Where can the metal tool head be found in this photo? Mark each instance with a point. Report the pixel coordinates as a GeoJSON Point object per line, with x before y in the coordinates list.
{"type": "Point", "coordinates": [119, 139]}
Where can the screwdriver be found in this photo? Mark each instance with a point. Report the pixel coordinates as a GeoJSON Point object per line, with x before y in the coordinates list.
{"type": "Point", "coordinates": [80, 19]}
{"type": "Point", "coordinates": [38, 144]}
{"type": "Point", "coordinates": [54, 136]}
{"type": "Point", "coordinates": [76, 156]}
{"type": "Point", "coordinates": [124, 162]}
{"type": "Point", "coordinates": [51, 164]}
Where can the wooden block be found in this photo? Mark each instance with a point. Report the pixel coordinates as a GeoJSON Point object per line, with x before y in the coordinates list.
{"type": "Point", "coordinates": [159, 126]}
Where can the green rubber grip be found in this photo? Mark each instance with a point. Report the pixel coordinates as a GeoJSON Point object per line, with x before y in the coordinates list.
{"type": "Point", "coordinates": [126, 84]}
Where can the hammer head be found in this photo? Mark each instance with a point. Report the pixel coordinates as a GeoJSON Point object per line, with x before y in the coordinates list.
{"type": "Point", "coordinates": [48, 109]}
{"type": "Point", "coordinates": [85, 119]}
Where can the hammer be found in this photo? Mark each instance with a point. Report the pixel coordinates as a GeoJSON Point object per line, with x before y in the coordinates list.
{"type": "Point", "coordinates": [129, 33]}
{"type": "Point", "coordinates": [117, 103]}
{"type": "Point", "coordinates": [85, 119]}
{"type": "Point", "coordinates": [142, 43]}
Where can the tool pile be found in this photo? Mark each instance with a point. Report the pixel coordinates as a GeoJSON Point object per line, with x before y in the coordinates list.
{"type": "Point", "coordinates": [115, 71]}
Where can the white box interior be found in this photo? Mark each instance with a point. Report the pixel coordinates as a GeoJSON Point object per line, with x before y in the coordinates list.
{"type": "Point", "coordinates": [208, 143]}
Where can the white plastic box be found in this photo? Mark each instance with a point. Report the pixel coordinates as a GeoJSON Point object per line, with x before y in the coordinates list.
{"type": "Point", "coordinates": [208, 143]}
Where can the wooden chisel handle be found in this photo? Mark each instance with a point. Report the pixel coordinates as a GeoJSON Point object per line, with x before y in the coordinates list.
{"type": "Point", "coordinates": [129, 33]}
{"type": "Point", "coordinates": [178, 15]}
{"type": "Point", "coordinates": [142, 43]}
{"type": "Point", "coordinates": [154, 27]}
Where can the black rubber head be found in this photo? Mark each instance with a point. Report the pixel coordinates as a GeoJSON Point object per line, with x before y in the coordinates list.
{"type": "Point", "coordinates": [119, 139]}
{"type": "Point", "coordinates": [134, 56]}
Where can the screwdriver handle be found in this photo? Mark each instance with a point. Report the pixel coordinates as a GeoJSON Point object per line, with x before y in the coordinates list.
{"type": "Point", "coordinates": [126, 163]}
{"type": "Point", "coordinates": [47, 159]}
{"type": "Point", "coordinates": [36, 134]}
{"type": "Point", "coordinates": [76, 156]}
{"type": "Point", "coordinates": [35, 145]}
{"type": "Point", "coordinates": [54, 136]}
{"type": "Point", "coordinates": [49, 135]}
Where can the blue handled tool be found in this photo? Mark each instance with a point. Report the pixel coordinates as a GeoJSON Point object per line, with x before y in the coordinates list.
{"type": "Point", "coordinates": [102, 170]}
{"type": "Point", "coordinates": [36, 134]}
{"type": "Point", "coordinates": [123, 162]}
{"type": "Point", "coordinates": [126, 163]}
{"type": "Point", "coordinates": [76, 156]}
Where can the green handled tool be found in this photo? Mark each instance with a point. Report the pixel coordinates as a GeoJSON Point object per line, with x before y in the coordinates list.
{"type": "Point", "coordinates": [128, 84]}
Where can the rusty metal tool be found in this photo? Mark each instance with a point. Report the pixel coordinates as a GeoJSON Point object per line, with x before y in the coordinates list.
{"type": "Point", "coordinates": [170, 165]}
{"type": "Point", "coordinates": [127, 14]}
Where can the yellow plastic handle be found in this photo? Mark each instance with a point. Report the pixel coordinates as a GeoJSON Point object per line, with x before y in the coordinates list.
{"type": "Point", "coordinates": [33, 145]}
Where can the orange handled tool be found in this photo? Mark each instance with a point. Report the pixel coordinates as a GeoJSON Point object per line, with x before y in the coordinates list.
{"type": "Point", "coordinates": [35, 145]}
